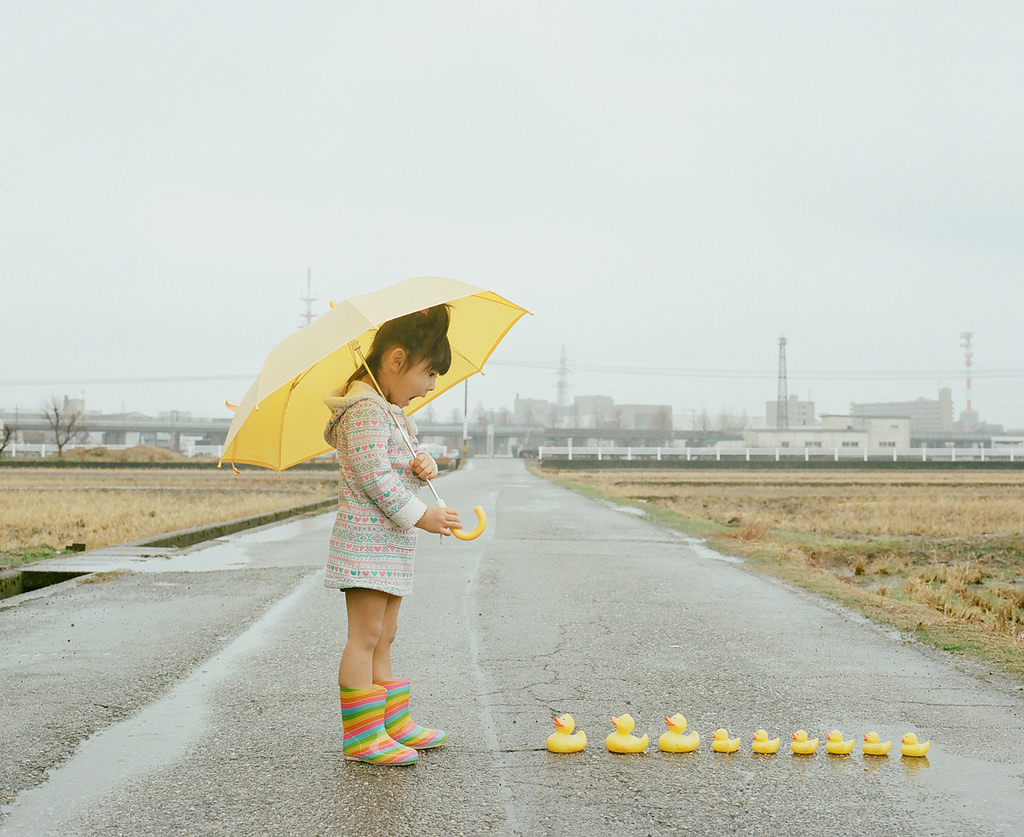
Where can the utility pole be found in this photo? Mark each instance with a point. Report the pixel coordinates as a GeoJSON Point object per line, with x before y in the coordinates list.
{"type": "Point", "coordinates": [563, 384]}
{"type": "Point", "coordinates": [965, 341]}
{"type": "Point", "coordinates": [309, 299]}
{"type": "Point", "coordinates": [782, 404]}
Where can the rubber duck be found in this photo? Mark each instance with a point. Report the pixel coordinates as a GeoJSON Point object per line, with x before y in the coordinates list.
{"type": "Point", "coordinates": [835, 745]}
{"type": "Point", "coordinates": [802, 745]}
{"type": "Point", "coordinates": [674, 741]}
{"type": "Point", "coordinates": [910, 746]}
{"type": "Point", "coordinates": [563, 739]}
{"type": "Point", "coordinates": [621, 741]}
{"type": "Point", "coordinates": [873, 747]}
{"type": "Point", "coordinates": [723, 743]}
{"type": "Point", "coordinates": [763, 745]}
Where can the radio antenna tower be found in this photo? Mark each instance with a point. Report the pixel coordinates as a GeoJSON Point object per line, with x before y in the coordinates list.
{"type": "Point", "coordinates": [965, 341]}
{"type": "Point", "coordinates": [309, 299]}
{"type": "Point", "coordinates": [563, 383]}
{"type": "Point", "coordinates": [782, 404]}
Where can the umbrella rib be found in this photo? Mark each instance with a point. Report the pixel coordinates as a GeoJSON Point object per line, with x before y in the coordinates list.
{"type": "Point", "coordinates": [460, 354]}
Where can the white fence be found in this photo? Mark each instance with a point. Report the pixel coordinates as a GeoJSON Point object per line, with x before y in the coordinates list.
{"type": "Point", "coordinates": [49, 449]}
{"type": "Point", "coordinates": [850, 454]}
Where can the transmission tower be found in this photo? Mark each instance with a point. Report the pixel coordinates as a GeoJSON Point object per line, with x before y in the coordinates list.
{"type": "Point", "coordinates": [782, 404]}
{"type": "Point", "coordinates": [563, 383]}
{"type": "Point", "coordinates": [309, 299]}
{"type": "Point", "coordinates": [965, 341]}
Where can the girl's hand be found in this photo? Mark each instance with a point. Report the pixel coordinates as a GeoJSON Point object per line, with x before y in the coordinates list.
{"type": "Point", "coordinates": [423, 466]}
{"type": "Point", "coordinates": [439, 521]}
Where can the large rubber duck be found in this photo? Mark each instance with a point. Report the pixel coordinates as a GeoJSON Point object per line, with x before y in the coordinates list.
{"type": "Point", "coordinates": [674, 741]}
{"type": "Point", "coordinates": [761, 743]}
{"type": "Point", "coordinates": [563, 739]}
{"type": "Point", "coordinates": [873, 747]}
{"type": "Point", "coordinates": [723, 743]}
{"type": "Point", "coordinates": [622, 741]}
{"type": "Point", "coordinates": [835, 744]}
{"type": "Point", "coordinates": [911, 747]}
{"type": "Point", "coordinates": [802, 745]}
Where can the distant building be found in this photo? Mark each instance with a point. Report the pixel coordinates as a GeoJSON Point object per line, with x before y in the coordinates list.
{"type": "Point", "coordinates": [533, 411]}
{"type": "Point", "coordinates": [927, 417]}
{"type": "Point", "coordinates": [835, 432]}
{"type": "Point", "coordinates": [595, 412]}
{"type": "Point", "coordinates": [799, 413]}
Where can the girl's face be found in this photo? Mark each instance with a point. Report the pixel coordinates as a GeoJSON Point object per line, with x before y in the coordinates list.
{"type": "Point", "coordinates": [411, 382]}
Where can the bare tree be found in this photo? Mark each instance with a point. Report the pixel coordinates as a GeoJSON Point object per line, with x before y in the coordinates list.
{"type": "Point", "coordinates": [6, 431]}
{"type": "Point", "coordinates": [66, 421]}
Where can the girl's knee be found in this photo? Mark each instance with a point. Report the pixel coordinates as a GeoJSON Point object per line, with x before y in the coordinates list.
{"type": "Point", "coordinates": [388, 633]}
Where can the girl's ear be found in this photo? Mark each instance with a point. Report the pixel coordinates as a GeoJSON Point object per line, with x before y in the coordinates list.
{"type": "Point", "coordinates": [395, 360]}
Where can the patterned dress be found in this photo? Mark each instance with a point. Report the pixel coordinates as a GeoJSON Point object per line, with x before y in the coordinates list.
{"type": "Point", "coordinates": [374, 538]}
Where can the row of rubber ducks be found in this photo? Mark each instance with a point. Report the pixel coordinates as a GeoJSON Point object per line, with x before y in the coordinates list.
{"type": "Point", "coordinates": [566, 739]}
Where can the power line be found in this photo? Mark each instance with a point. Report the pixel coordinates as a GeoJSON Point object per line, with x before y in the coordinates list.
{"type": "Point", "coordinates": [177, 379]}
{"type": "Point", "coordinates": [759, 374]}
{"type": "Point", "coordinates": [556, 366]}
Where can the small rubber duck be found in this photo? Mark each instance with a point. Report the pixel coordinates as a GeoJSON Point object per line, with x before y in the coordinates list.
{"type": "Point", "coordinates": [802, 745]}
{"type": "Point", "coordinates": [723, 743]}
{"type": "Point", "coordinates": [910, 746]}
{"type": "Point", "coordinates": [622, 741]}
{"type": "Point", "coordinates": [674, 741]}
{"type": "Point", "coordinates": [563, 739]}
{"type": "Point", "coordinates": [835, 745]}
{"type": "Point", "coordinates": [873, 747]}
{"type": "Point", "coordinates": [763, 745]}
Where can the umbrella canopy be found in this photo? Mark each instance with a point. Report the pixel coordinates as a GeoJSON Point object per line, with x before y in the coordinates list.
{"type": "Point", "coordinates": [281, 419]}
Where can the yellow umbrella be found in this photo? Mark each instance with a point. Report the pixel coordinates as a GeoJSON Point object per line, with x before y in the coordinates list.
{"type": "Point", "coordinates": [280, 421]}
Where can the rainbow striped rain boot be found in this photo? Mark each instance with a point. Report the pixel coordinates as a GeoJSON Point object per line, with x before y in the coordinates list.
{"type": "Point", "coordinates": [399, 725]}
{"type": "Point", "coordinates": [362, 715]}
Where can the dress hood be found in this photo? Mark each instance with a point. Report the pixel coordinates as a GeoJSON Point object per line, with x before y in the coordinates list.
{"type": "Point", "coordinates": [340, 399]}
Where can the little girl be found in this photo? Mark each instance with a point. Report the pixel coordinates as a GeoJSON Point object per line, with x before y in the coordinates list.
{"type": "Point", "coordinates": [374, 540]}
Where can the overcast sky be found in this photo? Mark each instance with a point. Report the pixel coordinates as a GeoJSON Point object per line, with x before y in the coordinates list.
{"type": "Point", "coordinates": [669, 186]}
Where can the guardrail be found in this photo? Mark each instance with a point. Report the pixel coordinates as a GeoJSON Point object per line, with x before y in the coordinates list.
{"type": "Point", "coordinates": [793, 455]}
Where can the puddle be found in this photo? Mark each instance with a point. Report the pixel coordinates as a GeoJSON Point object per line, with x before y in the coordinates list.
{"type": "Point", "coordinates": [633, 510]}
{"type": "Point", "coordinates": [156, 737]}
{"type": "Point", "coordinates": [704, 551]}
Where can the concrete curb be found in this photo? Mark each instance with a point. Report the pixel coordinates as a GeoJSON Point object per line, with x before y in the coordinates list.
{"type": "Point", "coordinates": [198, 534]}
{"type": "Point", "coordinates": [19, 580]}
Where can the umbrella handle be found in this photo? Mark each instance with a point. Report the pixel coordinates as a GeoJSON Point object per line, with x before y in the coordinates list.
{"type": "Point", "coordinates": [475, 532]}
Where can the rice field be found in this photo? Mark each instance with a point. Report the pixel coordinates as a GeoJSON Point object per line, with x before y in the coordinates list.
{"type": "Point", "coordinates": [842, 503]}
{"type": "Point", "coordinates": [940, 553]}
{"type": "Point", "coordinates": [44, 510]}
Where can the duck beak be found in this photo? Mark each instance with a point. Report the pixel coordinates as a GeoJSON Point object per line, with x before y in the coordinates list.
{"type": "Point", "coordinates": [615, 720]}
{"type": "Point", "coordinates": [558, 723]}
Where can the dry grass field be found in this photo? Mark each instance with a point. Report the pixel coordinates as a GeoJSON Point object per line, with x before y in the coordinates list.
{"type": "Point", "coordinates": [43, 510]}
{"type": "Point", "coordinates": [939, 553]}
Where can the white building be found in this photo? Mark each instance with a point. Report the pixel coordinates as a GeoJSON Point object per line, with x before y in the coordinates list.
{"type": "Point", "coordinates": [835, 432]}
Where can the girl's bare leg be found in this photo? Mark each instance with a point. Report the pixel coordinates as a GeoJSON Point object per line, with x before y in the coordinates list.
{"type": "Point", "coordinates": [366, 620]}
{"type": "Point", "coordinates": [382, 653]}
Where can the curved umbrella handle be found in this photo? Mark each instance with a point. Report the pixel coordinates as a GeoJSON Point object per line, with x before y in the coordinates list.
{"type": "Point", "coordinates": [481, 524]}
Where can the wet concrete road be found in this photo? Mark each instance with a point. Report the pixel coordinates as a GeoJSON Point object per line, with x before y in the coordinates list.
{"type": "Point", "coordinates": [196, 693]}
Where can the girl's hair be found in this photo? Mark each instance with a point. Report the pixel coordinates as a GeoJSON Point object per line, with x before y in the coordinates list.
{"type": "Point", "coordinates": [423, 335]}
